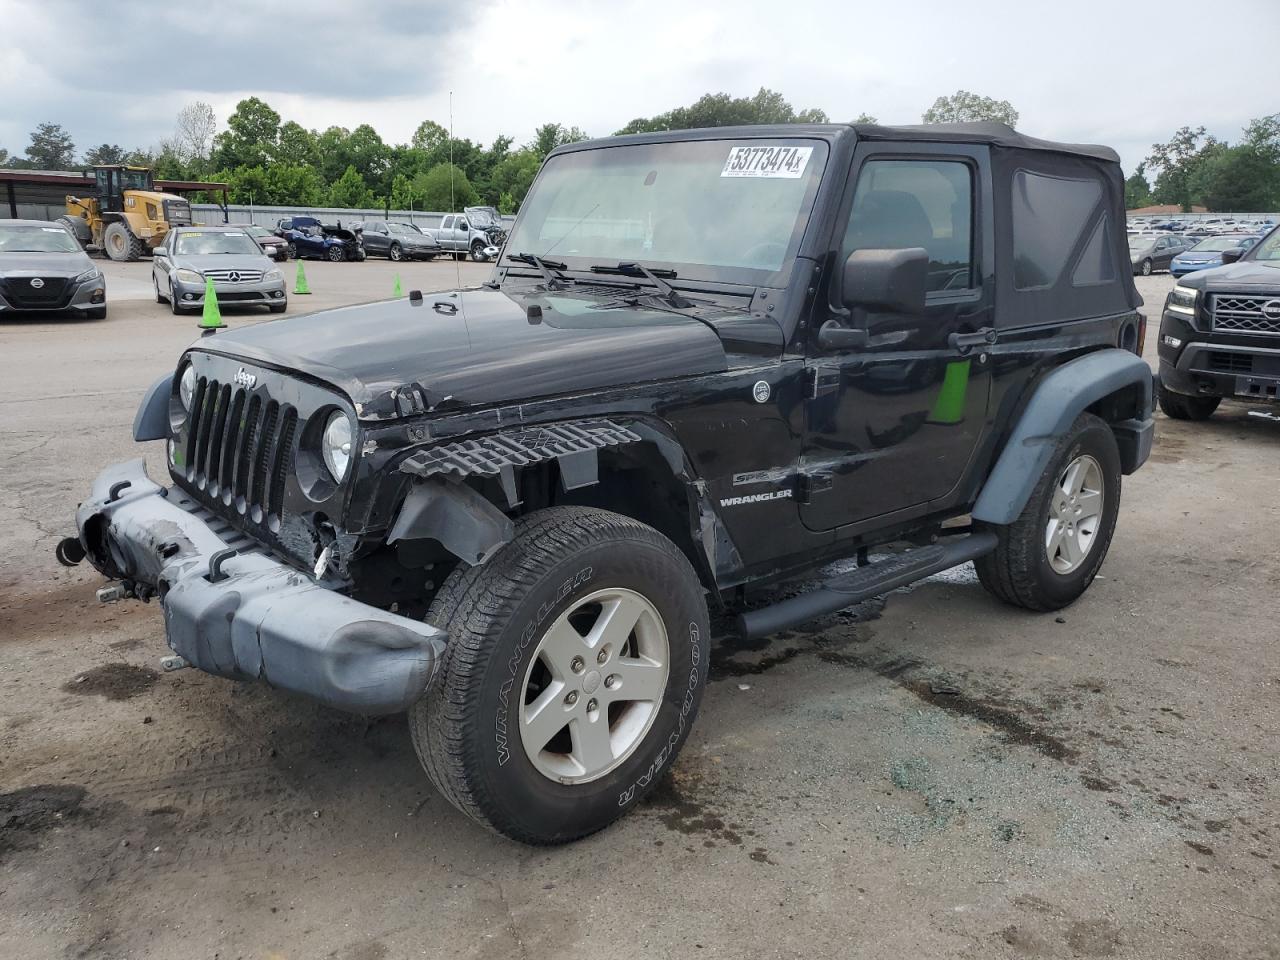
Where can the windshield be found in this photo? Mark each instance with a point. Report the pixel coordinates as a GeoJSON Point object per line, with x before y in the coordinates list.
{"type": "Point", "coordinates": [1268, 249]}
{"type": "Point", "coordinates": [714, 209]}
{"type": "Point", "coordinates": [402, 228]}
{"type": "Point", "coordinates": [192, 244]}
{"type": "Point", "coordinates": [1216, 244]}
{"type": "Point", "coordinates": [28, 239]}
{"type": "Point", "coordinates": [257, 231]}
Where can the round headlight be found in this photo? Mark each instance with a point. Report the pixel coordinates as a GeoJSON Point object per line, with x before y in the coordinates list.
{"type": "Point", "coordinates": [337, 445]}
{"type": "Point", "coordinates": [187, 387]}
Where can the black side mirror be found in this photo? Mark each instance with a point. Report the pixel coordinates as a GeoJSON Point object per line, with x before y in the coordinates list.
{"type": "Point", "coordinates": [890, 281]}
{"type": "Point", "coordinates": [1231, 256]}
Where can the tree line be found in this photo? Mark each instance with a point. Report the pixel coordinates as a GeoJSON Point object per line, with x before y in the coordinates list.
{"type": "Point", "coordinates": [1193, 168]}
{"type": "Point", "coordinates": [268, 160]}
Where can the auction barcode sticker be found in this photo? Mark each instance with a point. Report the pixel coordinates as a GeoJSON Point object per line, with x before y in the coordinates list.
{"type": "Point", "coordinates": [785, 163]}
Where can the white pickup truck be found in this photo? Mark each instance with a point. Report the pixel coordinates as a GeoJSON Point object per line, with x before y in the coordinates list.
{"type": "Point", "coordinates": [477, 231]}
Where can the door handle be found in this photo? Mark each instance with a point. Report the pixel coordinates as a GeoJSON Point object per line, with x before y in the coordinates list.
{"type": "Point", "coordinates": [965, 342]}
{"type": "Point", "coordinates": [441, 306]}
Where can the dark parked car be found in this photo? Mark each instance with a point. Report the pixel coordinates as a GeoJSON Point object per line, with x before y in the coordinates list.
{"type": "Point", "coordinates": [707, 361]}
{"type": "Point", "coordinates": [1149, 254]}
{"type": "Point", "coordinates": [1208, 252]}
{"type": "Point", "coordinates": [272, 245]}
{"type": "Point", "coordinates": [397, 241]}
{"type": "Point", "coordinates": [44, 269]}
{"type": "Point", "coordinates": [1220, 333]}
{"type": "Point", "coordinates": [308, 238]}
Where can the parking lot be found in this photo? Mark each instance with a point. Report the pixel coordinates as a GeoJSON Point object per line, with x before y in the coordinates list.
{"type": "Point", "coordinates": [935, 775]}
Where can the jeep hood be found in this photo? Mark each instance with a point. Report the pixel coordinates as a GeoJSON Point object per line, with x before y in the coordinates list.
{"type": "Point", "coordinates": [478, 347]}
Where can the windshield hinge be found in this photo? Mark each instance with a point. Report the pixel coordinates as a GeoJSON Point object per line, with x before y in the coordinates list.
{"type": "Point", "coordinates": [823, 381]}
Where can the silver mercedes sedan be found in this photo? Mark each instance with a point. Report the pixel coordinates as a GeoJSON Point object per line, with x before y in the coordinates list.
{"type": "Point", "coordinates": [43, 269]}
{"type": "Point", "coordinates": [190, 257]}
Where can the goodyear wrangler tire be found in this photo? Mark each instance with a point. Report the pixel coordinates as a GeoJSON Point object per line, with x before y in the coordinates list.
{"type": "Point", "coordinates": [576, 661]}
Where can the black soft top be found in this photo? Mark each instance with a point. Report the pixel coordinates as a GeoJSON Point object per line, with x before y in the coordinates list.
{"type": "Point", "coordinates": [994, 134]}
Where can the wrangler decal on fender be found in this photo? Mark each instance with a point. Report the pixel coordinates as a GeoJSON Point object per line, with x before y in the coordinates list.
{"type": "Point", "coordinates": [756, 498]}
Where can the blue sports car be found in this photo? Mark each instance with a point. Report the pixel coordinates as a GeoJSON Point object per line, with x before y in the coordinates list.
{"type": "Point", "coordinates": [1208, 252]}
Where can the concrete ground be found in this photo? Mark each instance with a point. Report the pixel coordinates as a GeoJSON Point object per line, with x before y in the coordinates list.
{"type": "Point", "coordinates": [932, 776]}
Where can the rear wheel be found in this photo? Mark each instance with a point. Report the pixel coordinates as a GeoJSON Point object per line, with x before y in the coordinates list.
{"type": "Point", "coordinates": [1178, 406]}
{"type": "Point", "coordinates": [120, 243]}
{"type": "Point", "coordinates": [576, 661]}
{"type": "Point", "coordinates": [1048, 556]}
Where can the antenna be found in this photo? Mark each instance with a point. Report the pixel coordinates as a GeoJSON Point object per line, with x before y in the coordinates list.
{"type": "Point", "coordinates": [453, 203]}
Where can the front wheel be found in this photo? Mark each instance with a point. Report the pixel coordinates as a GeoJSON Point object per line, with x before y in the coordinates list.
{"type": "Point", "coordinates": [336, 254]}
{"type": "Point", "coordinates": [1048, 556]}
{"type": "Point", "coordinates": [292, 249]}
{"type": "Point", "coordinates": [576, 661]}
{"type": "Point", "coordinates": [1178, 406]}
{"type": "Point", "coordinates": [1146, 267]}
{"type": "Point", "coordinates": [396, 253]}
{"type": "Point", "coordinates": [477, 252]}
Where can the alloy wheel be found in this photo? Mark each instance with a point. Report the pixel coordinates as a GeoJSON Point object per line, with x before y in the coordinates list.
{"type": "Point", "coordinates": [594, 686]}
{"type": "Point", "coordinates": [1075, 514]}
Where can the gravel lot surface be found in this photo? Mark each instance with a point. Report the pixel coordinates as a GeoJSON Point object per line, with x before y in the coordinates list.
{"type": "Point", "coordinates": [935, 775]}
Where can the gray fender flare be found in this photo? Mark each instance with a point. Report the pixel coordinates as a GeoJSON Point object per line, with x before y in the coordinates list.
{"type": "Point", "coordinates": [151, 422]}
{"type": "Point", "coordinates": [1059, 398]}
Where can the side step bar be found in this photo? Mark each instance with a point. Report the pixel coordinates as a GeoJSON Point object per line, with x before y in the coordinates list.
{"type": "Point", "coordinates": [865, 583]}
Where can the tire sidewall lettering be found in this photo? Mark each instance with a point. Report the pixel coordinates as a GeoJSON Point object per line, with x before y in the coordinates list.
{"type": "Point", "coordinates": [530, 632]}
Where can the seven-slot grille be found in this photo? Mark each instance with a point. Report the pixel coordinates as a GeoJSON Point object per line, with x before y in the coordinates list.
{"type": "Point", "coordinates": [239, 449]}
{"type": "Point", "coordinates": [1246, 314]}
{"type": "Point", "coordinates": [234, 276]}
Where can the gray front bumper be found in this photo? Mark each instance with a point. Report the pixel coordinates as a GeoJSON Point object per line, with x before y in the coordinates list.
{"type": "Point", "coordinates": [81, 300]}
{"type": "Point", "coordinates": [257, 618]}
{"type": "Point", "coordinates": [233, 294]}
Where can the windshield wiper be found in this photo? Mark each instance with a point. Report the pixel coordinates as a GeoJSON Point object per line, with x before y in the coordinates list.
{"type": "Point", "coordinates": [665, 290]}
{"type": "Point", "coordinates": [548, 268]}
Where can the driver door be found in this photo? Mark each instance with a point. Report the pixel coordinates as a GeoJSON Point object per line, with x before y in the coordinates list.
{"type": "Point", "coordinates": [892, 425]}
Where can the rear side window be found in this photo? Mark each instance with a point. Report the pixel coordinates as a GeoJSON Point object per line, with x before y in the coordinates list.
{"type": "Point", "coordinates": [917, 203]}
{"type": "Point", "coordinates": [1050, 215]}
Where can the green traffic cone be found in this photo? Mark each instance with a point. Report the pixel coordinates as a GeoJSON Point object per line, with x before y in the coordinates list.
{"type": "Point", "coordinates": [396, 291]}
{"type": "Point", "coordinates": [949, 407]}
{"type": "Point", "coordinates": [211, 319]}
{"type": "Point", "coordinates": [300, 288]}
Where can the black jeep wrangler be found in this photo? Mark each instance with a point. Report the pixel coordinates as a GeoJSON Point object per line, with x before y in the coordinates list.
{"type": "Point", "coordinates": [1220, 334]}
{"type": "Point", "coordinates": [706, 361]}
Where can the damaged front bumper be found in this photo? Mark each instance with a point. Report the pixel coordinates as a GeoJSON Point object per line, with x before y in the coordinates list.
{"type": "Point", "coordinates": [233, 610]}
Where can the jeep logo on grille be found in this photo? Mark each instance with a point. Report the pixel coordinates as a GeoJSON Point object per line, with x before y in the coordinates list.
{"type": "Point", "coordinates": [37, 282]}
{"type": "Point", "coordinates": [245, 379]}
{"type": "Point", "coordinates": [1271, 309]}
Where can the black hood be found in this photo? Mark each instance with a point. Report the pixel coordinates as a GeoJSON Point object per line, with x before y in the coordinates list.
{"type": "Point", "coordinates": [478, 347]}
{"type": "Point", "coordinates": [1241, 276]}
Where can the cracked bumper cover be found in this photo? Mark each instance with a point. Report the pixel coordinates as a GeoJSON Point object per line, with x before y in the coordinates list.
{"type": "Point", "coordinates": [262, 619]}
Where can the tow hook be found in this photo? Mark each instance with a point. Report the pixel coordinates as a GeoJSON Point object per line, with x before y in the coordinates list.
{"type": "Point", "coordinates": [69, 551]}
{"type": "Point", "coordinates": [172, 663]}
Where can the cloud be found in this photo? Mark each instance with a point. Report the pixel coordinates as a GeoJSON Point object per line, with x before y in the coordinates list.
{"type": "Point", "coordinates": [1094, 70]}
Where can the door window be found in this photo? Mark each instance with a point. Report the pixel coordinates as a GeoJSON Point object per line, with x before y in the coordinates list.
{"type": "Point", "coordinates": [917, 203]}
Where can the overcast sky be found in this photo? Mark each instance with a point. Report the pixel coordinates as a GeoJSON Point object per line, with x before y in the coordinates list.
{"type": "Point", "coordinates": [1120, 72]}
